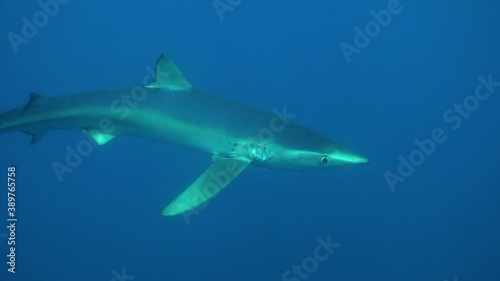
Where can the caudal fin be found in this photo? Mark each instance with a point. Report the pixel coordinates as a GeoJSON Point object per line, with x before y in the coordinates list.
{"type": "Point", "coordinates": [8, 118]}
{"type": "Point", "coordinates": [16, 113]}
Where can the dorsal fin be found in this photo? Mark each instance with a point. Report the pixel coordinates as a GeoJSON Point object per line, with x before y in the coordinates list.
{"type": "Point", "coordinates": [168, 76]}
{"type": "Point", "coordinates": [34, 98]}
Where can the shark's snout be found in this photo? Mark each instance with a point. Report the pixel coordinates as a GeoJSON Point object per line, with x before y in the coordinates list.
{"type": "Point", "coordinates": [343, 158]}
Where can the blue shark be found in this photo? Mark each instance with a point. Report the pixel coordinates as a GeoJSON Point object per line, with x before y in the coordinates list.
{"type": "Point", "coordinates": [169, 109]}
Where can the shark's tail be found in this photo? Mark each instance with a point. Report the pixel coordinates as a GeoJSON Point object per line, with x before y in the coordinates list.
{"type": "Point", "coordinates": [8, 119]}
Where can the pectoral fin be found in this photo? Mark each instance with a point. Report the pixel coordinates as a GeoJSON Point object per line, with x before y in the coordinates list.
{"type": "Point", "coordinates": [98, 136]}
{"type": "Point", "coordinates": [221, 172]}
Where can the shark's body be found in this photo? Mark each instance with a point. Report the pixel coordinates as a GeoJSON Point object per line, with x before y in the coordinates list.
{"type": "Point", "coordinates": [171, 110]}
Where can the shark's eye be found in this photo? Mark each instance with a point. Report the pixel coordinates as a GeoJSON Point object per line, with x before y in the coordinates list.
{"type": "Point", "coordinates": [324, 160]}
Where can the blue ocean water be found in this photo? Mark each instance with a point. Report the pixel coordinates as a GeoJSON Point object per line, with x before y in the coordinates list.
{"type": "Point", "coordinates": [410, 84]}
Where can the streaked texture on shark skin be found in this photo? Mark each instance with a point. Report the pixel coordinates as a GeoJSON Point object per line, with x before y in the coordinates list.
{"type": "Point", "coordinates": [170, 110]}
